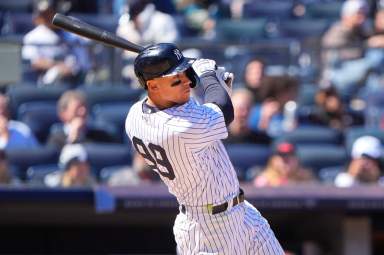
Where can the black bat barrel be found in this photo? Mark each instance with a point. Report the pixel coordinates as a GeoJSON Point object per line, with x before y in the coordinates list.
{"type": "Point", "coordinates": [81, 28]}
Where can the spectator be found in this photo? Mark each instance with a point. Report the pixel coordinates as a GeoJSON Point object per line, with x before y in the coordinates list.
{"type": "Point", "coordinates": [343, 47]}
{"type": "Point", "coordinates": [268, 116]}
{"type": "Point", "coordinates": [144, 25]}
{"type": "Point", "coordinates": [239, 131]}
{"type": "Point", "coordinates": [75, 169]}
{"type": "Point", "coordinates": [365, 167]}
{"type": "Point", "coordinates": [283, 168]}
{"type": "Point", "coordinates": [138, 174]}
{"type": "Point", "coordinates": [75, 127]}
{"type": "Point", "coordinates": [54, 56]}
{"type": "Point", "coordinates": [330, 110]}
{"type": "Point", "coordinates": [253, 78]}
{"type": "Point", "coordinates": [197, 15]}
{"type": "Point", "coordinates": [14, 134]}
{"type": "Point", "coordinates": [375, 54]}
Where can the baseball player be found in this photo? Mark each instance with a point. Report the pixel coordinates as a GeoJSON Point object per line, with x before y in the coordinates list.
{"type": "Point", "coordinates": [181, 140]}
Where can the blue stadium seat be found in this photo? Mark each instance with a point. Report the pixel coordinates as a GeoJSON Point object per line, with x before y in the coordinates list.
{"type": "Point", "coordinates": [106, 155]}
{"type": "Point", "coordinates": [113, 114]}
{"type": "Point", "coordinates": [107, 172]}
{"type": "Point", "coordinates": [244, 31]}
{"type": "Point", "coordinates": [36, 174]}
{"type": "Point", "coordinates": [324, 10]}
{"type": "Point", "coordinates": [306, 135]}
{"type": "Point", "coordinates": [21, 23]}
{"type": "Point", "coordinates": [39, 116]}
{"type": "Point", "coordinates": [303, 28]}
{"type": "Point", "coordinates": [245, 156]}
{"type": "Point", "coordinates": [327, 175]}
{"type": "Point", "coordinates": [318, 156]}
{"type": "Point", "coordinates": [107, 22]}
{"type": "Point", "coordinates": [20, 6]}
{"type": "Point", "coordinates": [22, 159]}
{"type": "Point", "coordinates": [306, 94]}
{"type": "Point", "coordinates": [268, 9]}
{"type": "Point", "coordinates": [351, 134]}
{"type": "Point", "coordinates": [110, 94]}
{"type": "Point", "coordinates": [20, 94]}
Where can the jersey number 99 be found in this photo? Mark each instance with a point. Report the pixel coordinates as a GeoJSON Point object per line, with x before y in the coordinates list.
{"type": "Point", "coordinates": [159, 154]}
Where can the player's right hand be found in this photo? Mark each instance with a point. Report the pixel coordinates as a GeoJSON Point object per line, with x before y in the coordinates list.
{"type": "Point", "coordinates": [225, 78]}
{"type": "Point", "coordinates": [203, 66]}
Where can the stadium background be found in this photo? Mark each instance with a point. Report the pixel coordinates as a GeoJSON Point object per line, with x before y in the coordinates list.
{"type": "Point", "coordinates": [138, 220]}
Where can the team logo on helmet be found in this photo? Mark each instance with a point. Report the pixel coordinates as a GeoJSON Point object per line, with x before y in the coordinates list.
{"type": "Point", "coordinates": [178, 54]}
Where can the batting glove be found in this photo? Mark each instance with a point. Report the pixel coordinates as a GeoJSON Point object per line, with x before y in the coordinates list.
{"type": "Point", "coordinates": [225, 78]}
{"type": "Point", "coordinates": [203, 66]}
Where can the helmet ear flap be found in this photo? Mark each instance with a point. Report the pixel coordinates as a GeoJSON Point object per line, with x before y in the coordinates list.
{"type": "Point", "coordinates": [192, 76]}
{"type": "Point", "coordinates": [142, 81]}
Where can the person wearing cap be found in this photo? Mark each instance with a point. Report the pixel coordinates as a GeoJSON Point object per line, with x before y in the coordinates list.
{"type": "Point", "coordinates": [53, 55]}
{"type": "Point", "coordinates": [343, 47]}
{"type": "Point", "coordinates": [364, 167]}
{"type": "Point", "coordinates": [181, 140]}
{"type": "Point", "coordinates": [74, 169]}
{"type": "Point", "coordinates": [283, 168]}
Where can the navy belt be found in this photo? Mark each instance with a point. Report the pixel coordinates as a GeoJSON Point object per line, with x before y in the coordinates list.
{"type": "Point", "coordinates": [215, 209]}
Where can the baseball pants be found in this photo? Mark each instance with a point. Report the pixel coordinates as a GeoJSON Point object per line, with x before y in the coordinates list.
{"type": "Point", "coordinates": [239, 230]}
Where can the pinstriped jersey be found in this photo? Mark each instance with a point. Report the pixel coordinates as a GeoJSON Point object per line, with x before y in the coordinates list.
{"type": "Point", "coordinates": [183, 144]}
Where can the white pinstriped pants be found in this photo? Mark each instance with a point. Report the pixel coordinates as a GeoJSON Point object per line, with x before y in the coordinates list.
{"type": "Point", "coordinates": [238, 231]}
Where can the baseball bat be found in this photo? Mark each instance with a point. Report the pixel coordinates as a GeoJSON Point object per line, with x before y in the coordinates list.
{"type": "Point", "coordinates": [81, 28]}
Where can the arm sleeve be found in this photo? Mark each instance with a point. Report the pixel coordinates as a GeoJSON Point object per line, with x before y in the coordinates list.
{"type": "Point", "coordinates": [215, 93]}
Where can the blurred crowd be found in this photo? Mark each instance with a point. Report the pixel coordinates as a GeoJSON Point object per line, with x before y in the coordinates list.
{"type": "Point", "coordinates": [311, 116]}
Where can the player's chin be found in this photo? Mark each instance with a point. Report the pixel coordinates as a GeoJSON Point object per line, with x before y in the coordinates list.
{"type": "Point", "coordinates": [184, 97]}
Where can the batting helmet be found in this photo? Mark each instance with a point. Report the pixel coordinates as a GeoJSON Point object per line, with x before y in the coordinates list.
{"type": "Point", "coordinates": [162, 59]}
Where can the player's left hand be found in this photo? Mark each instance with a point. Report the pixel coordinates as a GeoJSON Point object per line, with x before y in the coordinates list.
{"type": "Point", "coordinates": [203, 66]}
{"type": "Point", "coordinates": [225, 78]}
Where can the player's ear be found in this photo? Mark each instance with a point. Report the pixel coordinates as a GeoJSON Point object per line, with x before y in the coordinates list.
{"type": "Point", "coordinates": [152, 85]}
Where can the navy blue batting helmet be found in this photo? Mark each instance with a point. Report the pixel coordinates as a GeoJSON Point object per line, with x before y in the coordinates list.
{"type": "Point", "coordinates": [160, 60]}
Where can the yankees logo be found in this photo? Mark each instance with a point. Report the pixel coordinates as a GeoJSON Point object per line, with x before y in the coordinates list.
{"type": "Point", "coordinates": [178, 54]}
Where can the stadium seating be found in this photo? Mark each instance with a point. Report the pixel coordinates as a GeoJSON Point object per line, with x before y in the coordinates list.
{"type": "Point", "coordinates": [36, 174]}
{"type": "Point", "coordinates": [107, 155]}
{"type": "Point", "coordinates": [245, 156]}
{"type": "Point", "coordinates": [113, 114]}
{"type": "Point", "coordinates": [20, 94]}
{"type": "Point", "coordinates": [110, 94]}
{"type": "Point", "coordinates": [269, 9]}
{"type": "Point", "coordinates": [20, 23]}
{"type": "Point", "coordinates": [108, 22]}
{"type": "Point", "coordinates": [19, 6]}
{"type": "Point", "coordinates": [317, 156]}
{"type": "Point", "coordinates": [312, 135]}
{"type": "Point", "coordinates": [22, 159]}
{"type": "Point", "coordinates": [241, 31]}
{"type": "Point", "coordinates": [327, 175]}
{"type": "Point", "coordinates": [320, 10]}
{"type": "Point", "coordinates": [39, 116]}
{"type": "Point", "coordinates": [351, 134]}
{"type": "Point", "coordinates": [303, 28]}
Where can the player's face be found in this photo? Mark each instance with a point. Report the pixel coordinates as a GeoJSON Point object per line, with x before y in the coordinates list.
{"type": "Point", "coordinates": [170, 90]}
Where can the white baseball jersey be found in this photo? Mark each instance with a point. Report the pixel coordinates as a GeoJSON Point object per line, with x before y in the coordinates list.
{"type": "Point", "coordinates": [183, 144]}
{"type": "Point", "coordinates": [184, 147]}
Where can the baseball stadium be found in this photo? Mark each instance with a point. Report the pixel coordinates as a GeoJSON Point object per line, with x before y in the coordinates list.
{"type": "Point", "coordinates": [231, 127]}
